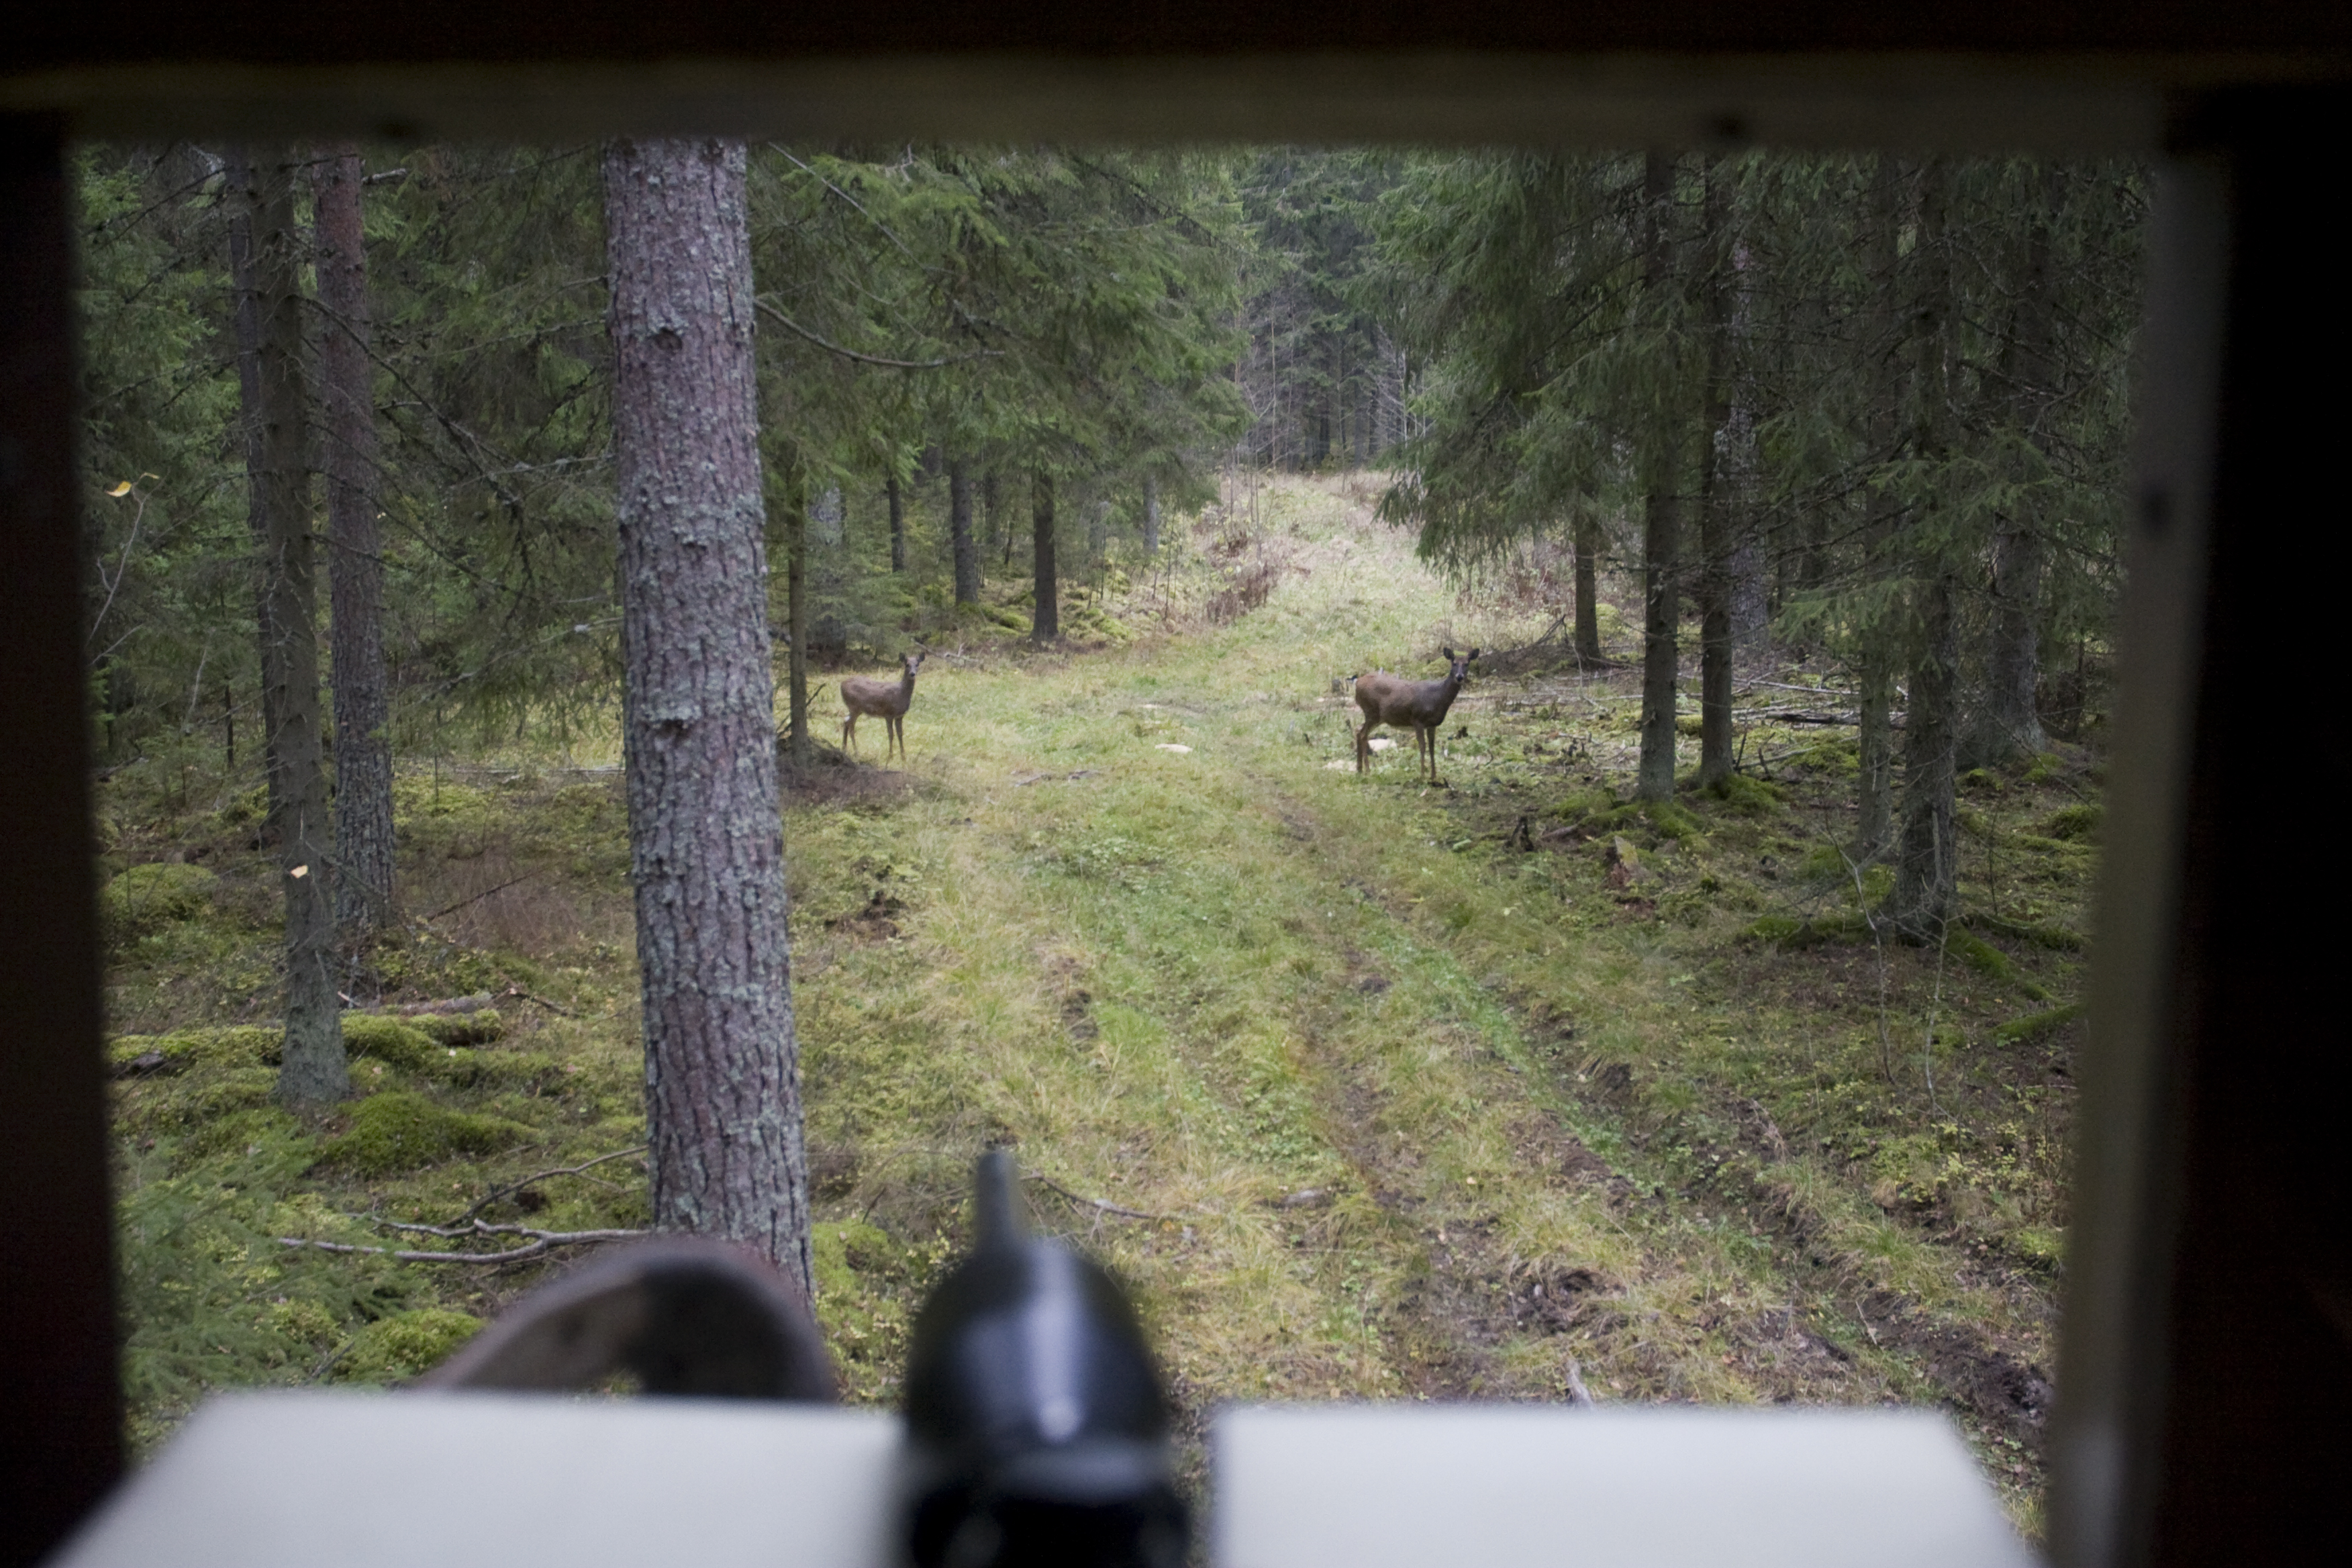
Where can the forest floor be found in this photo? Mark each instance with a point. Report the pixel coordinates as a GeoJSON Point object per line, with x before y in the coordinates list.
{"type": "Point", "coordinates": [1399, 1092]}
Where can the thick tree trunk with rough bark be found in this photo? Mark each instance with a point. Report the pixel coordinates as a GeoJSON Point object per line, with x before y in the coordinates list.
{"type": "Point", "coordinates": [1662, 520]}
{"type": "Point", "coordinates": [1926, 871]}
{"type": "Point", "coordinates": [1045, 624]}
{"type": "Point", "coordinates": [1588, 604]}
{"type": "Point", "coordinates": [1151, 515]}
{"type": "Point", "coordinates": [898, 525]}
{"type": "Point", "coordinates": [722, 1095]}
{"type": "Point", "coordinates": [363, 841]}
{"type": "Point", "coordinates": [243, 175]}
{"type": "Point", "coordinates": [962, 543]}
{"type": "Point", "coordinates": [313, 1071]}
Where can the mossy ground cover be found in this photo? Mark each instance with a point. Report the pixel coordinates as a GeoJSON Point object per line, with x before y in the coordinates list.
{"type": "Point", "coordinates": [1421, 1093]}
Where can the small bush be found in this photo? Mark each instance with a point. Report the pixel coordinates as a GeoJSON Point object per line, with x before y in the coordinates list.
{"type": "Point", "coordinates": [405, 1344]}
{"type": "Point", "coordinates": [397, 1131]}
{"type": "Point", "coordinates": [146, 897]}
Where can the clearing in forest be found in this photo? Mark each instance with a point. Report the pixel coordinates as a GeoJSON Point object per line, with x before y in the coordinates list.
{"type": "Point", "coordinates": [1371, 1091]}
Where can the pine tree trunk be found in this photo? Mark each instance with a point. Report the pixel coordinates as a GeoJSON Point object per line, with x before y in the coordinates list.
{"type": "Point", "coordinates": [961, 545]}
{"type": "Point", "coordinates": [1662, 521]}
{"type": "Point", "coordinates": [1588, 604]}
{"type": "Point", "coordinates": [313, 1070]}
{"type": "Point", "coordinates": [796, 598]}
{"type": "Point", "coordinates": [722, 1096]}
{"type": "Point", "coordinates": [243, 177]}
{"type": "Point", "coordinates": [1151, 515]}
{"type": "Point", "coordinates": [1876, 642]}
{"type": "Point", "coordinates": [1714, 503]}
{"type": "Point", "coordinates": [363, 832]}
{"type": "Point", "coordinates": [1875, 783]}
{"type": "Point", "coordinates": [898, 525]}
{"type": "Point", "coordinates": [1927, 872]}
{"type": "Point", "coordinates": [2010, 723]}
{"type": "Point", "coordinates": [1046, 618]}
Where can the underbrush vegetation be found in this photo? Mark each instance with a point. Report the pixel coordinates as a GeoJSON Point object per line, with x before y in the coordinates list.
{"type": "Point", "coordinates": [1370, 1090]}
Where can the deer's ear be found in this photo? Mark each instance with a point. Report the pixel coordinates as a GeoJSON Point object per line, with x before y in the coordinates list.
{"type": "Point", "coordinates": [1473, 653]}
{"type": "Point", "coordinates": [1449, 652]}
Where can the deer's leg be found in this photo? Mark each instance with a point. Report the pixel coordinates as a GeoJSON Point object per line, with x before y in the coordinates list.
{"type": "Point", "coordinates": [1364, 747]}
{"type": "Point", "coordinates": [848, 731]}
{"type": "Point", "coordinates": [898, 737]}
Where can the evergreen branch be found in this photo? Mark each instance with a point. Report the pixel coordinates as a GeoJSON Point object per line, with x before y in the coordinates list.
{"type": "Point", "coordinates": [787, 322]}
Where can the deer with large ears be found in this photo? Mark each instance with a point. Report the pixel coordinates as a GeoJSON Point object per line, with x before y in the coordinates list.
{"type": "Point", "coordinates": [883, 699]}
{"type": "Point", "coordinates": [1416, 705]}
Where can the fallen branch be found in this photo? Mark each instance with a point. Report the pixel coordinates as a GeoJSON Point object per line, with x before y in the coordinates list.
{"type": "Point", "coordinates": [514, 1187]}
{"type": "Point", "coordinates": [542, 1242]}
{"type": "Point", "coordinates": [1579, 1396]}
{"type": "Point", "coordinates": [1103, 1205]}
{"type": "Point", "coordinates": [519, 995]}
{"type": "Point", "coordinates": [478, 898]}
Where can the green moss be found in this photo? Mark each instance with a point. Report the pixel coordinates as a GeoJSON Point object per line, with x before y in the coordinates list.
{"type": "Point", "coordinates": [1793, 933]}
{"type": "Point", "coordinates": [147, 897]}
{"type": "Point", "coordinates": [405, 1344]}
{"type": "Point", "coordinates": [2045, 767]}
{"type": "Point", "coordinates": [398, 1132]}
{"type": "Point", "coordinates": [2056, 937]}
{"type": "Point", "coordinates": [1982, 780]}
{"type": "Point", "coordinates": [2080, 820]}
{"type": "Point", "coordinates": [243, 1045]}
{"type": "Point", "coordinates": [1749, 796]}
{"type": "Point", "coordinates": [1671, 819]}
{"type": "Point", "coordinates": [1989, 960]}
{"type": "Point", "coordinates": [479, 1027]}
{"type": "Point", "coordinates": [1691, 724]}
{"type": "Point", "coordinates": [2033, 1026]}
{"type": "Point", "coordinates": [1773, 928]}
{"type": "Point", "coordinates": [387, 1041]}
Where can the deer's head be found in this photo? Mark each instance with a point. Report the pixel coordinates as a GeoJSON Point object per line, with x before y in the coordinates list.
{"type": "Point", "coordinates": [1460, 663]}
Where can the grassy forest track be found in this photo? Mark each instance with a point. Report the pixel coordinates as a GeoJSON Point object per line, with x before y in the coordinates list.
{"type": "Point", "coordinates": [1373, 1091]}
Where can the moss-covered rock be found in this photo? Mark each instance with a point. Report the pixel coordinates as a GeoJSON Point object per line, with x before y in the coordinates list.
{"type": "Point", "coordinates": [479, 1027]}
{"type": "Point", "coordinates": [1989, 960]}
{"type": "Point", "coordinates": [398, 1130]}
{"type": "Point", "coordinates": [2078, 821]}
{"type": "Point", "coordinates": [1671, 819]}
{"type": "Point", "coordinates": [246, 1045]}
{"type": "Point", "coordinates": [2033, 1026]}
{"type": "Point", "coordinates": [387, 1041]}
{"type": "Point", "coordinates": [1749, 796]}
{"type": "Point", "coordinates": [146, 897]}
{"type": "Point", "coordinates": [406, 1345]}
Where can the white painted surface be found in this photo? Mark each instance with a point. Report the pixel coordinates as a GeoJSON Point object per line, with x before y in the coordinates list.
{"type": "Point", "coordinates": [1376, 1486]}
{"type": "Point", "coordinates": [317, 1479]}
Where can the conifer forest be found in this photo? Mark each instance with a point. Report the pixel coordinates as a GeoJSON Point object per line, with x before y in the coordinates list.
{"type": "Point", "coordinates": [493, 551]}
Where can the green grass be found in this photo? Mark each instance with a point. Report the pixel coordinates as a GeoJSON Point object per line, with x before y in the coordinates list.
{"type": "Point", "coordinates": [1418, 1112]}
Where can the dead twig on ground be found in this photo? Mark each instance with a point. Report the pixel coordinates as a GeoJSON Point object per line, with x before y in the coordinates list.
{"type": "Point", "coordinates": [478, 898]}
{"type": "Point", "coordinates": [513, 1187]}
{"type": "Point", "coordinates": [1578, 1395]}
{"type": "Point", "coordinates": [542, 1242]}
{"type": "Point", "coordinates": [1101, 1205]}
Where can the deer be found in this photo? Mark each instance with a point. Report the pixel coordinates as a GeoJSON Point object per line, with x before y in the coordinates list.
{"type": "Point", "coordinates": [883, 699]}
{"type": "Point", "coordinates": [1416, 705]}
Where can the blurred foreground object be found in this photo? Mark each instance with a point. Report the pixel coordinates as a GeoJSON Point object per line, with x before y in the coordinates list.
{"type": "Point", "coordinates": [686, 1315]}
{"type": "Point", "coordinates": [1036, 1431]}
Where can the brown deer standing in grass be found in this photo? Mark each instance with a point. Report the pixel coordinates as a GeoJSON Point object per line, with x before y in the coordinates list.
{"type": "Point", "coordinates": [1416, 705]}
{"type": "Point", "coordinates": [883, 699]}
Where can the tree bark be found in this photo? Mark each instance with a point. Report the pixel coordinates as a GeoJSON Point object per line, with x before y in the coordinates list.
{"type": "Point", "coordinates": [1714, 503]}
{"type": "Point", "coordinates": [1876, 640]}
{"type": "Point", "coordinates": [244, 177]}
{"type": "Point", "coordinates": [722, 1095]}
{"type": "Point", "coordinates": [796, 723]}
{"type": "Point", "coordinates": [1045, 623]}
{"type": "Point", "coordinates": [1662, 518]}
{"type": "Point", "coordinates": [313, 1071]}
{"type": "Point", "coordinates": [363, 829]}
{"type": "Point", "coordinates": [962, 541]}
{"type": "Point", "coordinates": [897, 524]}
{"type": "Point", "coordinates": [1151, 515]}
{"type": "Point", "coordinates": [1587, 604]}
{"type": "Point", "coordinates": [1927, 872]}
{"type": "Point", "coordinates": [2009, 725]}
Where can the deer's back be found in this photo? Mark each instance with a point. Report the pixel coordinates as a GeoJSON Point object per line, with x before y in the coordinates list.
{"type": "Point", "coordinates": [861, 694]}
{"type": "Point", "coordinates": [1403, 702]}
